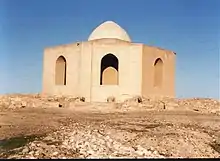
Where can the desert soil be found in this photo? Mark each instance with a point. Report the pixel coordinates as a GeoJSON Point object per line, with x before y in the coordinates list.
{"type": "Point", "coordinates": [89, 130]}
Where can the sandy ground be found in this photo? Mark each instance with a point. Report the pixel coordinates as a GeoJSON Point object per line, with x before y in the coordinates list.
{"type": "Point", "coordinates": [170, 133]}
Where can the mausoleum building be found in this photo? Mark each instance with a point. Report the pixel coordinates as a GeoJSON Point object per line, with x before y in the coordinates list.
{"type": "Point", "coordinates": [108, 64]}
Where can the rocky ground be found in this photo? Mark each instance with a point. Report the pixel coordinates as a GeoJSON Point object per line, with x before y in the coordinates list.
{"type": "Point", "coordinates": [33, 126]}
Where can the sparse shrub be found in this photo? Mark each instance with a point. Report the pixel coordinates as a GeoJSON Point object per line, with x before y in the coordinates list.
{"type": "Point", "coordinates": [138, 99]}
{"type": "Point", "coordinates": [111, 99]}
{"type": "Point", "coordinates": [82, 99]}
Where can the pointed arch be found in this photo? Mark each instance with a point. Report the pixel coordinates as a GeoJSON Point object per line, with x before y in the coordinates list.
{"type": "Point", "coordinates": [60, 71]}
{"type": "Point", "coordinates": [158, 73]}
{"type": "Point", "coordinates": [109, 70]}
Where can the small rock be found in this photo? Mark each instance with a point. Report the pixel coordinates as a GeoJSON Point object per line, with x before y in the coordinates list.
{"type": "Point", "coordinates": [55, 153]}
{"type": "Point", "coordinates": [25, 150]}
{"type": "Point", "coordinates": [23, 104]}
{"type": "Point", "coordinates": [31, 152]}
{"type": "Point", "coordinates": [48, 138]}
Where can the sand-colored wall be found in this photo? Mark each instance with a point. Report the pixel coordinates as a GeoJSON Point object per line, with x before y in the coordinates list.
{"type": "Point", "coordinates": [129, 57]}
{"type": "Point", "coordinates": [83, 70]}
{"type": "Point", "coordinates": [150, 55]}
{"type": "Point", "coordinates": [71, 53]}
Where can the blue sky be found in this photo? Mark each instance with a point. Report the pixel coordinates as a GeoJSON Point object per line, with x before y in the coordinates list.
{"type": "Point", "coordinates": [188, 27]}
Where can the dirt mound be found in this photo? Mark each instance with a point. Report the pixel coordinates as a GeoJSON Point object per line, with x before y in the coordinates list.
{"type": "Point", "coordinates": [202, 105]}
{"type": "Point", "coordinates": [16, 101]}
{"type": "Point", "coordinates": [36, 126]}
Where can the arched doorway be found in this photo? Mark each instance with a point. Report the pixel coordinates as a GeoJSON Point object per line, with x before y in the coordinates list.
{"type": "Point", "coordinates": [109, 70]}
{"type": "Point", "coordinates": [60, 71]}
{"type": "Point", "coordinates": [158, 73]}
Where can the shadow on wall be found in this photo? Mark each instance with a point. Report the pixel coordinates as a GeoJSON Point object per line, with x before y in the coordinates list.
{"type": "Point", "coordinates": [60, 71]}
{"type": "Point", "coordinates": [109, 70]}
{"type": "Point", "coordinates": [158, 73]}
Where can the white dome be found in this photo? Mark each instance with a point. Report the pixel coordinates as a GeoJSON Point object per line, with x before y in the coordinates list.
{"type": "Point", "coordinates": [109, 29]}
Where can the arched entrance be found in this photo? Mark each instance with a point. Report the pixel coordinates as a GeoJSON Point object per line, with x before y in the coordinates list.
{"type": "Point", "coordinates": [158, 73]}
{"type": "Point", "coordinates": [60, 71]}
{"type": "Point", "coordinates": [109, 70]}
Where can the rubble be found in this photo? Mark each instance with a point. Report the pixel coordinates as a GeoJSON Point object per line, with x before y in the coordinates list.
{"type": "Point", "coordinates": [135, 138]}
{"type": "Point", "coordinates": [38, 101]}
{"type": "Point", "coordinates": [202, 105]}
{"type": "Point", "coordinates": [17, 101]}
{"type": "Point", "coordinates": [88, 140]}
{"type": "Point", "coordinates": [82, 143]}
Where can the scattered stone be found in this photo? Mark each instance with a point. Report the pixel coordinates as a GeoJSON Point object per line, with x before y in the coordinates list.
{"type": "Point", "coordinates": [201, 105]}
{"type": "Point", "coordinates": [132, 140]}
{"type": "Point", "coordinates": [23, 104]}
{"type": "Point", "coordinates": [25, 150]}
